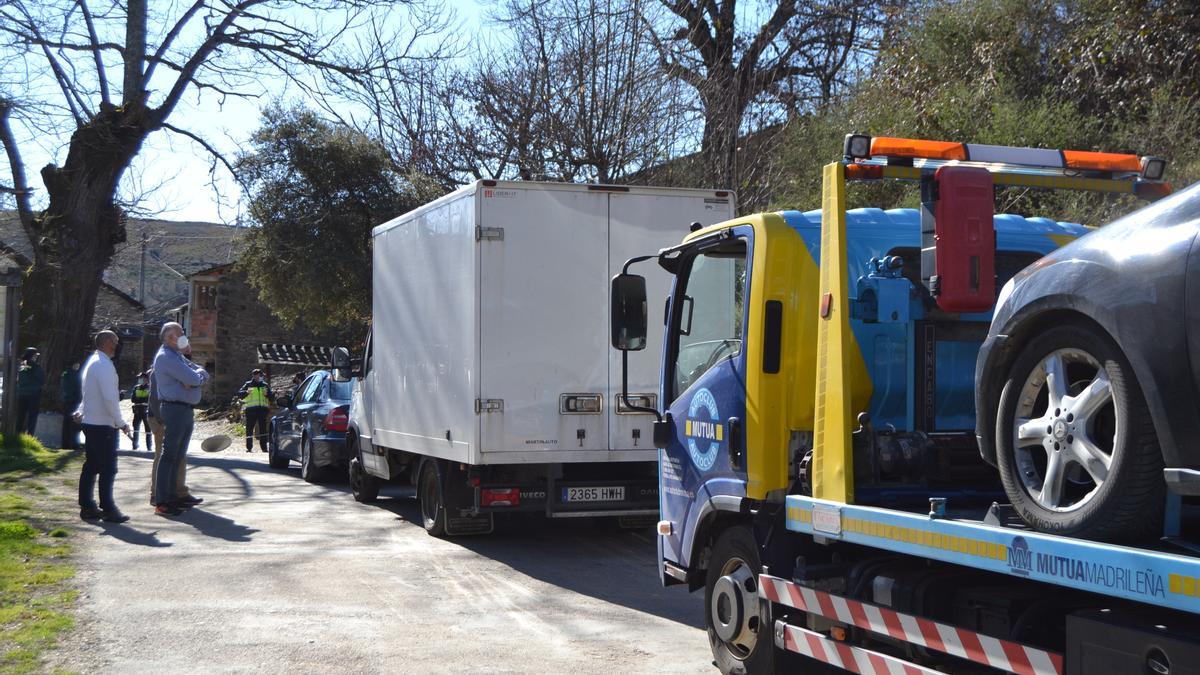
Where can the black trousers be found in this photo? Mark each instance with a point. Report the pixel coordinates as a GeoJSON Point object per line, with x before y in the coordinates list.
{"type": "Point", "coordinates": [70, 430]}
{"type": "Point", "coordinates": [140, 413]}
{"type": "Point", "coordinates": [27, 413]}
{"type": "Point", "coordinates": [256, 417]}
{"type": "Point", "coordinates": [100, 450]}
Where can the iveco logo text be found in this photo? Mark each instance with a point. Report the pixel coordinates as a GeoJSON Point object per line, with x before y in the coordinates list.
{"type": "Point", "coordinates": [704, 433]}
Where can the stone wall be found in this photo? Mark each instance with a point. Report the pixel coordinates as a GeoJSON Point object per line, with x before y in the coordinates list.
{"type": "Point", "coordinates": [124, 315]}
{"type": "Point", "coordinates": [242, 323]}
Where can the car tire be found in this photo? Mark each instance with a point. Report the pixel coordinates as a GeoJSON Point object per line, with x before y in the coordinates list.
{"type": "Point", "coordinates": [431, 498]}
{"type": "Point", "coordinates": [1086, 462]}
{"type": "Point", "coordinates": [363, 485]}
{"type": "Point", "coordinates": [738, 624]}
{"type": "Point", "coordinates": [274, 459]}
{"type": "Point", "coordinates": [309, 471]}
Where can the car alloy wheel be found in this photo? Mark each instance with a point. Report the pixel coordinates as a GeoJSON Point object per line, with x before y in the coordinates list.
{"type": "Point", "coordinates": [1064, 431]}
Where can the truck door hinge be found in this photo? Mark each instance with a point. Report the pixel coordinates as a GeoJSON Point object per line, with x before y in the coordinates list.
{"type": "Point", "coordinates": [489, 405]}
{"type": "Point", "coordinates": [492, 233]}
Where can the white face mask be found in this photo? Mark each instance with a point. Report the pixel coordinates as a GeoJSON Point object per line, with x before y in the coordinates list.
{"type": "Point", "coordinates": [183, 342]}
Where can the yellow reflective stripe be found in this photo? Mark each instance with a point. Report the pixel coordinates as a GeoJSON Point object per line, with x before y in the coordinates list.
{"type": "Point", "coordinates": [1181, 584]}
{"type": "Point", "coordinates": [979, 548]}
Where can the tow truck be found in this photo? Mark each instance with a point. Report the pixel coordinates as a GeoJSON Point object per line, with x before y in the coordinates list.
{"type": "Point", "coordinates": [818, 474]}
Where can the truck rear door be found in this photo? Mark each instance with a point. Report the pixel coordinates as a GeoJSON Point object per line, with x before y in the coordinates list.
{"type": "Point", "coordinates": [641, 224]}
{"type": "Point", "coordinates": [543, 342]}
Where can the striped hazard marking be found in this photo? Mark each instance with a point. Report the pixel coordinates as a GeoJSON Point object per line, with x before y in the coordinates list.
{"type": "Point", "coordinates": [989, 651]}
{"type": "Point", "coordinates": [842, 655]}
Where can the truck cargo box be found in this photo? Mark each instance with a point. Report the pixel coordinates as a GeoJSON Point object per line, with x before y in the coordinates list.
{"type": "Point", "coordinates": [490, 321]}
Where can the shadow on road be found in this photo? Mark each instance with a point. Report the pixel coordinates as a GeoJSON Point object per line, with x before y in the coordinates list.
{"type": "Point", "coordinates": [130, 535]}
{"type": "Point", "coordinates": [591, 557]}
{"type": "Point", "coordinates": [212, 525]}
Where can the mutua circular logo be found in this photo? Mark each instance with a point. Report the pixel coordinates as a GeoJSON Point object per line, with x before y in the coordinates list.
{"type": "Point", "coordinates": [703, 430]}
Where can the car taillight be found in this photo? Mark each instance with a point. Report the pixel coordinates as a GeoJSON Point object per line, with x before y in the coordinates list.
{"type": "Point", "coordinates": [500, 497]}
{"type": "Point", "coordinates": [338, 419]}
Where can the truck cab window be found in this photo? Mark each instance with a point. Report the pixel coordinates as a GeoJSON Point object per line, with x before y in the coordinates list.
{"type": "Point", "coordinates": [708, 327]}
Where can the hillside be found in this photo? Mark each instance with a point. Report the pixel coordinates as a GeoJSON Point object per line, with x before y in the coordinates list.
{"type": "Point", "coordinates": [185, 247]}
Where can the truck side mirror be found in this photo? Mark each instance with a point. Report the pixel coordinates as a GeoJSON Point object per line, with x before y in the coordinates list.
{"type": "Point", "coordinates": [629, 314]}
{"type": "Point", "coordinates": [340, 360]}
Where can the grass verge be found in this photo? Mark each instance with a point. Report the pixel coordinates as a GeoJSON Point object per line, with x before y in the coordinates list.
{"type": "Point", "coordinates": [35, 566]}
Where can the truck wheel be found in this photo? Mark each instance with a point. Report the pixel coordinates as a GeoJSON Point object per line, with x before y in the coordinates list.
{"type": "Point", "coordinates": [739, 629]}
{"type": "Point", "coordinates": [363, 485]}
{"type": "Point", "coordinates": [1076, 447]}
{"type": "Point", "coordinates": [429, 493]}
{"type": "Point", "coordinates": [273, 457]}
{"type": "Point", "coordinates": [309, 471]}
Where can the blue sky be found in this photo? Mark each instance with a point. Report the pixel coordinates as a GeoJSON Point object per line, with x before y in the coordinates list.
{"type": "Point", "coordinates": [178, 169]}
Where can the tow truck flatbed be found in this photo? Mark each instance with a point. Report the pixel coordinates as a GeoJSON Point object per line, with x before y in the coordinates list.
{"type": "Point", "coordinates": [1142, 575]}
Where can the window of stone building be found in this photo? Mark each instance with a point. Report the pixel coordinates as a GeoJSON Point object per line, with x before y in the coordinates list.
{"type": "Point", "coordinates": [206, 296]}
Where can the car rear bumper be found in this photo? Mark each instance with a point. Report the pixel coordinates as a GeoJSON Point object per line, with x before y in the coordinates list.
{"type": "Point", "coordinates": [329, 449]}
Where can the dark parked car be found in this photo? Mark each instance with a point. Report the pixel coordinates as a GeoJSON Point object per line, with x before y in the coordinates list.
{"type": "Point", "coordinates": [1086, 387]}
{"type": "Point", "coordinates": [311, 426]}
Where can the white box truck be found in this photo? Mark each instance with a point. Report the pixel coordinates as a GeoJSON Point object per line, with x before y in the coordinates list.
{"type": "Point", "coordinates": [487, 380]}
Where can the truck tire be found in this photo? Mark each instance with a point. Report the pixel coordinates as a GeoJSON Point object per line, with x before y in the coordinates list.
{"type": "Point", "coordinates": [274, 459]}
{"type": "Point", "coordinates": [431, 498]}
{"type": "Point", "coordinates": [1079, 457]}
{"type": "Point", "coordinates": [363, 485]}
{"type": "Point", "coordinates": [739, 626]}
{"type": "Point", "coordinates": [309, 471]}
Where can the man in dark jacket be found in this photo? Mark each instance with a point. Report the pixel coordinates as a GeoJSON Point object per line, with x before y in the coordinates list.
{"type": "Point", "coordinates": [69, 392]}
{"type": "Point", "coordinates": [141, 405]}
{"type": "Point", "coordinates": [30, 380]}
{"type": "Point", "coordinates": [256, 398]}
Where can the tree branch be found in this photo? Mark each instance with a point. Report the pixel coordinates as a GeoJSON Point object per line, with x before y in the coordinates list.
{"type": "Point", "coordinates": [20, 187]}
{"type": "Point", "coordinates": [168, 39]}
{"type": "Point", "coordinates": [100, 74]}
{"type": "Point", "coordinates": [206, 145]}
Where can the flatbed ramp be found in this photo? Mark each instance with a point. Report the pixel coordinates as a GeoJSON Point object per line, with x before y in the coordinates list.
{"type": "Point", "coordinates": [1141, 575]}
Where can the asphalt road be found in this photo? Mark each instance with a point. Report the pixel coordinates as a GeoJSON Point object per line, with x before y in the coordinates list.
{"type": "Point", "coordinates": [272, 574]}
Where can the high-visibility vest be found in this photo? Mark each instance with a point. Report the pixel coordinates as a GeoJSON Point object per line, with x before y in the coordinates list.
{"type": "Point", "coordinates": [256, 397]}
{"type": "Point", "coordinates": [141, 395]}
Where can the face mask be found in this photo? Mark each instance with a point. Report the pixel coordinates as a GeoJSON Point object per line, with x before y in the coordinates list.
{"type": "Point", "coordinates": [183, 342]}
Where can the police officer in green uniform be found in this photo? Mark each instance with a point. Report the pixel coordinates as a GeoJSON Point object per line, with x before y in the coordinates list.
{"type": "Point", "coordinates": [141, 406]}
{"type": "Point", "coordinates": [256, 405]}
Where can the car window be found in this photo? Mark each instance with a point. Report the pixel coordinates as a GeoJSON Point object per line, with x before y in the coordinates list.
{"type": "Point", "coordinates": [308, 390]}
{"type": "Point", "coordinates": [339, 391]}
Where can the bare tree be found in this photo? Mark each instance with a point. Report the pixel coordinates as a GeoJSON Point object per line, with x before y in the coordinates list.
{"type": "Point", "coordinates": [569, 90]}
{"type": "Point", "coordinates": [795, 60]}
{"type": "Point", "coordinates": [113, 75]}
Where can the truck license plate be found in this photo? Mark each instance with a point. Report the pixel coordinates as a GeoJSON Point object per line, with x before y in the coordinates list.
{"type": "Point", "coordinates": [593, 494]}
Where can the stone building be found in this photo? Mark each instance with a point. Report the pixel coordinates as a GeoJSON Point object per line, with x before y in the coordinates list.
{"type": "Point", "coordinates": [123, 314]}
{"type": "Point", "coordinates": [226, 323]}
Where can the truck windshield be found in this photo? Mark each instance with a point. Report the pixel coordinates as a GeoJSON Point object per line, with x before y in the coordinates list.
{"type": "Point", "coordinates": [708, 326]}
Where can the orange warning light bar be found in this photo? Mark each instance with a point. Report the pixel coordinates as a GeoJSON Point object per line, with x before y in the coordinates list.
{"type": "Point", "coordinates": [1101, 161]}
{"type": "Point", "coordinates": [861, 146]}
{"type": "Point", "coordinates": [884, 146]}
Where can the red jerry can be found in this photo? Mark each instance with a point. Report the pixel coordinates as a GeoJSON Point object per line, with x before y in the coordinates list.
{"type": "Point", "coordinates": [958, 238]}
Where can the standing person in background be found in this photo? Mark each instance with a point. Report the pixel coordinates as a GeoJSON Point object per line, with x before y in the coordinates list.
{"type": "Point", "coordinates": [177, 381]}
{"type": "Point", "coordinates": [100, 412]}
{"type": "Point", "coordinates": [141, 404]}
{"type": "Point", "coordinates": [30, 380]}
{"type": "Point", "coordinates": [69, 392]}
{"type": "Point", "coordinates": [154, 424]}
{"type": "Point", "coordinates": [256, 398]}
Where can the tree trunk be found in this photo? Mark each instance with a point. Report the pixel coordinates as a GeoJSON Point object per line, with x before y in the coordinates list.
{"type": "Point", "coordinates": [77, 236]}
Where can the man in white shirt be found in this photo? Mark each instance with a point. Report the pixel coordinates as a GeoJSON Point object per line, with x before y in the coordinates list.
{"type": "Point", "coordinates": [99, 412]}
